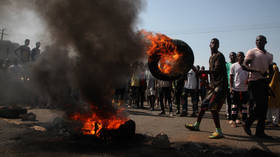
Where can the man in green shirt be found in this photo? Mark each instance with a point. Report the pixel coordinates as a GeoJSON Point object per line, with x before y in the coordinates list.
{"type": "Point", "coordinates": [232, 57]}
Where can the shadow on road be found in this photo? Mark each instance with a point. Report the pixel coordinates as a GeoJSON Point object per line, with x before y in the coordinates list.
{"type": "Point", "coordinates": [263, 143]}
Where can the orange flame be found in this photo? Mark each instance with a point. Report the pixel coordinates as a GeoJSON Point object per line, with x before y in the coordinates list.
{"type": "Point", "coordinates": [92, 125]}
{"type": "Point", "coordinates": [163, 46]}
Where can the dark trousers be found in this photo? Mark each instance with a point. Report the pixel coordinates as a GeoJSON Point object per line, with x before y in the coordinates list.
{"type": "Point", "coordinates": [240, 100]}
{"type": "Point", "coordinates": [194, 99]}
{"type": "Point", "coordinates": [134, 97]}
{"type": "Point", "coordinates": [202, 92]}
{"type": "Point", "coordinates": [165, 92]}
{"type": "Point", "coordinates": [141, 96]}
{"type": "Point", "coordinates": [259, 92]}
{"type": "Point", "coordinates": [178, 95]}
{"type": "Point", "coordinates": [251, 103]}
{"type": "Point", "coordinates": [152, 99]}
{"type": "Point", "coordinates": [229, 103]}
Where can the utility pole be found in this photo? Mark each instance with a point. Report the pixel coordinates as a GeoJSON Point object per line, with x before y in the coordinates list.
{"type": "Point", "coordinates": [3, 33]}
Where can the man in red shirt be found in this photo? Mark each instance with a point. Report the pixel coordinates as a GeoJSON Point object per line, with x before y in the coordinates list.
{"type": "Point", "coordinates": [204, 83]}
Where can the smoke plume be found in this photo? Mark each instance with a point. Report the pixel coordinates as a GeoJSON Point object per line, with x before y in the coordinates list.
{"type": "Point", "coordinates": [94, 45]}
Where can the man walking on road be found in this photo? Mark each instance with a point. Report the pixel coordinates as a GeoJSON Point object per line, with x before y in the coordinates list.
{"type": "Point", "coordinates": [258, 61]}
{"type": "Point", "coordinates": [217, 93]}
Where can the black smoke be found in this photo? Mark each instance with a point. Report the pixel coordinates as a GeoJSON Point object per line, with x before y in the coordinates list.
{"type": "Point", "coordinates": [94, 44]}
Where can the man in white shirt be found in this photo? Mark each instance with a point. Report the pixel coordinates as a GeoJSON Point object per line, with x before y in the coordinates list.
{"type": "Point", "coordinates": [238, 90]}
{"type": "Point", "coordinates": [151, 90]}
{"type": "Point", "coordinates": [258, 61]}
{"type": "Point", "coordinates": [191, 88]}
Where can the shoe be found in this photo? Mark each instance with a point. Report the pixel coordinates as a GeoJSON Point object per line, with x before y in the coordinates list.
{"type": "Point", "coordinates": [192, 127]}
{"type": "Point", "coordinates": [237, 121]}
{"type": "Point", "coordinates": [230, 122]}
{"type": "Point", "coordinates": [161, 113]}
{"type": "Point", "coordinates": [170, 114]}
{"type": "Point", "coordinates": [247, 130]}
{"type": "Point", "coordinates": [233, 125]}
{"type": "Point", "coordinates": [263, 136]}
{"type": "Point", "coordinates": [216, 135]}
{"type": "Point", "coordinates": [178, 112]}
{"type": "Point", "coordinates": [227, 116]}
{"type": "Point", "coordinates": [193, 115]}
{"type": "Point", "coordinates": [184, 114]}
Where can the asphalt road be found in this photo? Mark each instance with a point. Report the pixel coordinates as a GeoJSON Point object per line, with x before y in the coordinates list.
{"type": "Point", "coordinates": [18, 139]}
{"type": "Point", "coordinates": [150, 123]}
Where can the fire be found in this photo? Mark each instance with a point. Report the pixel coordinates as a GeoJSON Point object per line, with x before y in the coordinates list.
{"type": "Point", "coordinates": [92, 124]}
{"type": "Point", "coordinates": [163, 46]}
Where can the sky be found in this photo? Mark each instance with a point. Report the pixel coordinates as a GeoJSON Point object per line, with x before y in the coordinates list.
{"type": "Point", "coordinates": [235, 23]}
{"type": "Point", "coordinates": [24, 24]}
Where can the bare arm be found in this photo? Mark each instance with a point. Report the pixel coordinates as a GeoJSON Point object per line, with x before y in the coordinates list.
{"type": "Point", "coordinates": [246, 67]}
{"type": "Point", "coordinates": [231, 82]}
{"type": "Point", "coordinates": [209, 72]}
{"type": "Point", "coordinates": [247, 61]}
{"type": "Point", "coordinates": [218, 67]}
{"type": "Point", "coordinates": [194, 69]}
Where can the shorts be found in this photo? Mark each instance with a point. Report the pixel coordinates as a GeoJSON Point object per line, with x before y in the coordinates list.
{"type": "Point", "coordinates": [214, 99]}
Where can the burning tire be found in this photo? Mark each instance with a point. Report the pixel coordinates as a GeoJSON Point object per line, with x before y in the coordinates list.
{"type": "Point", "coordinates": [179, 69]}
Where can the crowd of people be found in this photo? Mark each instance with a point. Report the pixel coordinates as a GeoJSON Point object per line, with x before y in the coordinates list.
{"type": "Point", "coordinates": [143, 86]}
{"type": "Point", "coordinates": [23, 56]}
{"type": "Point", "coordinates": [248, 85]}
{"type": "Point", "coordinates": [15, 74]}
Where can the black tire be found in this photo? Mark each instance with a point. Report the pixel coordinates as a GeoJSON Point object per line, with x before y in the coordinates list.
{"type": "Point", "coordinates": [185, 62]}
